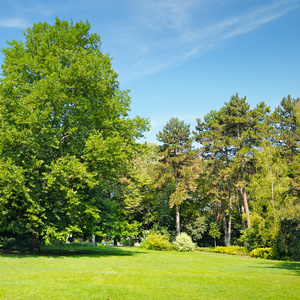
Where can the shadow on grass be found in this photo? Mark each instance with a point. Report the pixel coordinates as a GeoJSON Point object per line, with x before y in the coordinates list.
{"type": "Point", "coordinates": [291, 266]}
{"type": "Point", "coordinates": [294, 267]}
{"type": "Point", "coordinates": [73, 251]}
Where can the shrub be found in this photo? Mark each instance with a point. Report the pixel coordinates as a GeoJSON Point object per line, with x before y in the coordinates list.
{"type": "Point", "coordinates": [233, 250]}
{"type": "Point", "coordinates": [156, 241]}
{"type": "Point", "coordinates": [266, 253]}
{"type": "Point", "coordinates": [287, 242]}
{"type": "Point", "coordinates": [184, 242]}
{"type": "Point", "coordinates": [196, 228]}
{"type": "Point", "coordinates": [8, 243]}
{"type": "Point", "coordinates": [206, 249]}
{"type": "Point", "coordinates": [259, 235]}
{"type": "Point", "coordinates": [16, 241]}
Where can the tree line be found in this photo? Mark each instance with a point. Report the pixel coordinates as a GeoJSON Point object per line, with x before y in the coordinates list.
{"type": "Point", "coordinates": [243, 174]}
{"type": "Point", "coordinates": [71, 164]}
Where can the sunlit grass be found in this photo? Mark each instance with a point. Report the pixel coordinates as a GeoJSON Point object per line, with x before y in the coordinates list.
{"type": "Point", "coordinates": [133, 273]}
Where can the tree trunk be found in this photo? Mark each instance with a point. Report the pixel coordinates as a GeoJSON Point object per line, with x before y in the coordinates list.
{"type": "Point", "coordinates": [215, 242]}
{"type": "Point", "coordinates": [35, 242]}
{"type": "Point", "coordinates": [227, 227]}
{"type": "Point", "coordinates": [115, 241]}
{"type": "Point", "coordinates": [243, 223]}
{"type": "Point", "coordinates": [93, 240]}
{"type": "Point", "coordinates": [177, 220]}
{"type": "Point", "coordinates": [244, 194]}
{"type": "Point", "coordinates": [177, 208]}
{"type": "Point", "coordinates": [229, 220]}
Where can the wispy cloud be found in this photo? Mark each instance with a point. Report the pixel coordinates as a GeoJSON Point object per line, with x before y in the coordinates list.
{"type": "Point", "coordinates": [162, 34]}
{"type": "Point", "coordinates": [40, 9]}
{"type": "Point", "coordinates": [146, 37]}
{"type": "Point", "coordinates": [19, 23]}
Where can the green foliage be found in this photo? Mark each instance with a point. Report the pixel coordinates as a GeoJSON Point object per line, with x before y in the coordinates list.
{"type": "Point", "coordinates": [64, 131]}
{"type": "Point", "coordinates": [179, 167]}
{"type": "Point", "coordinates": [259, 235]}
{"type": "Point", "coordinates": [227, 137]}
{"type": "Point", "coordinates": [175, 137]}
{"type": "Point", "coordinates": [156, 241]}
{"type": "Point", "coordinates": [171, 234]}
{"type": "Point", "coordinates": [287, 134]}
{"type": "Point", "coordinates": [288, 237]}
{"type": "Point", "coordinates": [233, 250]}
{"type": "Point", "coordinates": [8, 243]}
{"type": "Point", "coordinates": [19, 241]}
{"type": "Point", "coordinates": [184, 243]}
{"type": "Point", "coordinates": [266, 253]}
{"type": "Point", "coordinates": [196, 228]}
{"type": "Point", "coordinates": [214, 230]}
{"type": "Point", "coordinates": [140, 196]}
{"type": "Point", "coordinates": [205, 249]}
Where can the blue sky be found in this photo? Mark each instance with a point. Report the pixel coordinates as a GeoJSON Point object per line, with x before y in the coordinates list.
{"type": "Point", "coordinates": [183, 58]}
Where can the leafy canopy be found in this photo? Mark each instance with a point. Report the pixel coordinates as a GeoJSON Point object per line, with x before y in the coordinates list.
{"type": "Point", "coordinates": [65, 129]}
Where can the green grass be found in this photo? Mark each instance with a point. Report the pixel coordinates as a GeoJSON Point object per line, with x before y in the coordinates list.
{"type": "Point", "coordinates": [133, 273]}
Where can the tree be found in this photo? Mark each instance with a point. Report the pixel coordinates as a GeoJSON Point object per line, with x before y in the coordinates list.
{"type": "Point", "coordinates": [215, 150]}
{"type": "Point", "coordinates": [196, 228]}
{"type": "Point", "coordinates": [214, 231]}
{"type": "Point", "coordinates": [140, 191]}
{"type": "Point", "coordinates": [284, 120]}
{"type": "Point", "coordinates": [178, 165]}
{"type": "Point", "coordinates": [65, 129]}
{"type": "Point", "coordinates": [227, 139]}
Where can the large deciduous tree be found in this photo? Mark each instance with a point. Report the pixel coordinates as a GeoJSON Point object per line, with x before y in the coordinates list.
{"type": "Point", "coordinates": [64, 129]}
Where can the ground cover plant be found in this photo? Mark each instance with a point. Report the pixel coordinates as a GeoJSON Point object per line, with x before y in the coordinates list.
{"type": "Point", "coordinates": [82, 272]}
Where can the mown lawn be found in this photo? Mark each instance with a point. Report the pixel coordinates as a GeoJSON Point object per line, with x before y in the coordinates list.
{"type": "Point", "coordinates": [133, 273]}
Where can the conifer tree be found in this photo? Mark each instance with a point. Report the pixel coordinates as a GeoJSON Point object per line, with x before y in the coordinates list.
{"type": "Point", "coordinates": [177, 165]}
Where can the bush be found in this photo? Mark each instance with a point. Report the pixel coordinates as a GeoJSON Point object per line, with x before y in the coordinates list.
{"type": "Point", "coordinates": [206, 249]}
{"type": "Point", "coordinates": [156, 241]}
{"type": "Point", "coordinates": [287, 242]}
{"type": "Point", "coordinates": [266, 253]}
{"type": "Point", "coordinates": [259, 235]}
{"type": "Point", "coordinates": [184, 242]}
{"type": "Point", "coordinates": [8, 243]}
{"type": "Point", "coordinates": [233, 250]}
{"type": "Point", "coordinates": [16, 241]}
{"type": "Point", "coordinates": [196, 228]}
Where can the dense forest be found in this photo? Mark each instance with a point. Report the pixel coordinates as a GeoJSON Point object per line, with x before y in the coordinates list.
{"type": "Point", "coordinates": [71, 163]}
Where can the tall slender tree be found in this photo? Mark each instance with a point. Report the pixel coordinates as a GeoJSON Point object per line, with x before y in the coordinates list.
{"type": "Point", "coordinates": [175, 167]}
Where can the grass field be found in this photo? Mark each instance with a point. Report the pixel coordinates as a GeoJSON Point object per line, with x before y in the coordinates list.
{"type": "Point", "coordinates": [133, 273]}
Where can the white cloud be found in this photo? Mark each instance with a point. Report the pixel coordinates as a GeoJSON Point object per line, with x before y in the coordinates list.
{"type": "Point", "coordinates": [162, 34]}
{"type": "Point", "coordinates": [40, 9]}
{"type": "Point", "coordinates": [159, 15]}
{"type": "Point", "coordinates": [19, 23]}
{"type": "Point", "coordinates": [150, 36]}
